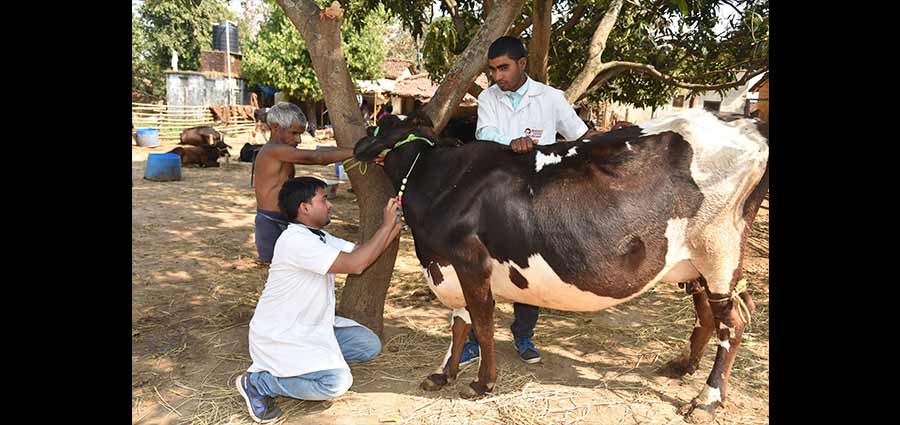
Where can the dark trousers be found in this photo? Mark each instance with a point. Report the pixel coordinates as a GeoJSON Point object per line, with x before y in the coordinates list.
{"type": "Point", "coordinates": [524, 323]}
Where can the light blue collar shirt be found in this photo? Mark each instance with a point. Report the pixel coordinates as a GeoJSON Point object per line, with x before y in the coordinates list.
{"type": "Point", "coordinates": [516, 96]}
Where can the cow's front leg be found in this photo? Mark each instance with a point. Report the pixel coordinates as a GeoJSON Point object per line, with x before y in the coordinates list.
{"type": "Point", "coordinates": [704, 328]}
{"type": "Point", "coordinates": [460, 323]}
{"type": "Point", "coordinates": [731, 315]}
{"type": "Point", "coordinates": [480, 301]}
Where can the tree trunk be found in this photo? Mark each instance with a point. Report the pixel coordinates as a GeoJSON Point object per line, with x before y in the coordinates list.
{"type": "Point", "coordinates": [594, 63]}
{"type": "Point", "coordinates": [539, 46]}
{"type": "Point", "coordinates": [363, 295]}
{"type": "Point", "coordinates": [471, 62]}
{"type": "Point", "coordinates": [311, 113]}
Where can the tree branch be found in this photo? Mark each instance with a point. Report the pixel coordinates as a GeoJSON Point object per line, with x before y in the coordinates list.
{"type": "Point", "coordinates": [539, 45]}
{"type": "Point", "coordinates": [601, 78]}
{"type": "Point", "coordinates": [516, 30]}
{"type": "Point", "coordinates": [470, 63]}
{"type": "Point", "coordinates": [577, 14]}
{"type": "Point", "coordinates": [612, 69]}
{"type": "Point", "coordinates": [598, 43]}
{"type": "Point", "coordinates": [733, 7]}
{"type": "Point", "coordinates": [653, 72]}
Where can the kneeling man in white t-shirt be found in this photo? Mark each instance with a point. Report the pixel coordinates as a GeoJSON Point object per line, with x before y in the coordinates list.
{"type": "Point", "coordinates": [299, 348]}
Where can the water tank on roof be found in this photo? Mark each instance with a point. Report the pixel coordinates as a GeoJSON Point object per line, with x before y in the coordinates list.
{"type": "Point", "coordinates": [219, 38]}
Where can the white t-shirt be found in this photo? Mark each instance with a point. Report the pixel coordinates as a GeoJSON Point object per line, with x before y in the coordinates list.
{"type": "Point", "coordinates": [292, 330]}
{"type": "Point", "coordinates": [541, 113]}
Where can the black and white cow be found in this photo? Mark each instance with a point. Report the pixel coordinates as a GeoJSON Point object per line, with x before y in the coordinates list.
{"type": "Point", "coordinates": [584, 225]}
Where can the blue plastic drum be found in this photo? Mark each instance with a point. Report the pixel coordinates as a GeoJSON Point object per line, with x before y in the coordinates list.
{"type": "Point", "coordinates": [163, 167]}
{"type": "Point", "coordinates": [147, 137]}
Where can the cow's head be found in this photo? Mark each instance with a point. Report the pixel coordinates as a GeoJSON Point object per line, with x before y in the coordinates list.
{"type": "Point", "coordinates": [222, 149]}
{"type": "Point", "coordinates": [390, 132]}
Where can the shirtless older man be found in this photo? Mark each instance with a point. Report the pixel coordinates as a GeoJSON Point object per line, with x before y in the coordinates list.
{"type": "Point", "coordinates": [275, 165]}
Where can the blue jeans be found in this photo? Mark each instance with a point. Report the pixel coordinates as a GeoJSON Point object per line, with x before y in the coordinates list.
{"type": "Point", "coordinates": [268, 226]}
{"type": "Point", "coordinates": [358, 344]}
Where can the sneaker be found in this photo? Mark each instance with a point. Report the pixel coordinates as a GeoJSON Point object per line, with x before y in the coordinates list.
{"type": "Point", "coordinates": [470, 353]}
{"type": "Point", "coordinates": [526, 350]}
{"type": "Point", "coordinates": [261, 407]}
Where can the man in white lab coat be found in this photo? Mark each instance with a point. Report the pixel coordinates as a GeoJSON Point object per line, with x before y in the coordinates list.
{"type": "Point", "coordinates": [520, 112]}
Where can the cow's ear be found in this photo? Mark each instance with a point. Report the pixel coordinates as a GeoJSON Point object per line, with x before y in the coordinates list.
{"type": "Point", "coordinates": [420, 119]}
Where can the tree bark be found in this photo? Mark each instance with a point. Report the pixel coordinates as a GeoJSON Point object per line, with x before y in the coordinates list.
{"type": "Point", "coordinates": [363, 295]}
{"type": "Point", "coordinates": [539, 46]}
{"type": "Point", "coordinates": [471, 62]}
{"type": "Point", "coordinates": [594, 63]}
{"type": "Point", "coordinates": [486, 7]}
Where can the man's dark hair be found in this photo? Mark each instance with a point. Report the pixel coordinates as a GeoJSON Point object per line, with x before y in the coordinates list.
{"type": "Point", "coordinates": [389, 107]}
{"type": "Point", "coordinates": [295, 192]}
{"type": "Point", "coordinates": [509, 46]}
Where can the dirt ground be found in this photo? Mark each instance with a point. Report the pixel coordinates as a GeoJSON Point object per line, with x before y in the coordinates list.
{"type": "Point", "coordinates": [195, 283]}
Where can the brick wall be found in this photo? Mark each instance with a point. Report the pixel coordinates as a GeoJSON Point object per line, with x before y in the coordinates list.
{"type": "Point", "coordinates": [214, 61]}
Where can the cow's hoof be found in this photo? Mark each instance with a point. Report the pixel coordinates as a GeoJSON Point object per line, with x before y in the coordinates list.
{"type": "Point", "coordinates": [698, 413]}
{"type": "Point", "coordinates": [676, 369]}
{"type": "Point", "coordinates": [473, 390]}
{"type": "Point", "coordinates": [434, 382]}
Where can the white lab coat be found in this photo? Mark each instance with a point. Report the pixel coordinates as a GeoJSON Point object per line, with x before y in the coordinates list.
{"type": "Point", "coordinates": [542, 112]}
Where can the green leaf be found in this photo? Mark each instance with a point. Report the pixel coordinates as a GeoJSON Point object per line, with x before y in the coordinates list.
{"type": "Point", "coordinates": [682, 6]}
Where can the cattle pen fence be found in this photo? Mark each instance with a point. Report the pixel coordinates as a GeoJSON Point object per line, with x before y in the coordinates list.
{"type": "Point", "coordinates": [172, 119]}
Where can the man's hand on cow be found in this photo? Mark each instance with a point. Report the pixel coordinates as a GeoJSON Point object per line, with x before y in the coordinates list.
{"type": "Point", "coordinates": [523, 144]}
{"type": "Point", "coordinates": [392, 213]}
{"type": "Point", "coordinates": [379, 160]}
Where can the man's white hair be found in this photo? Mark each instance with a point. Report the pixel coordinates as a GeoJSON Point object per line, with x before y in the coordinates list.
{"type": "Point", "coordinates": [285, 115]}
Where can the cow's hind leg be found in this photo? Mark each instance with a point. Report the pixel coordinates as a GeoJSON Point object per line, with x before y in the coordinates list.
{"type": "Point", "coordinates": [460, 323]}
{"type": "Point", "coordinates": [731, 313]}
{"type": "Point", "coordinates": [704, 328]}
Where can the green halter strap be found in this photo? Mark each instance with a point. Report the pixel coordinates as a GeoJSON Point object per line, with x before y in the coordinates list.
{"type": "Point", "coordinates": [410, 138]}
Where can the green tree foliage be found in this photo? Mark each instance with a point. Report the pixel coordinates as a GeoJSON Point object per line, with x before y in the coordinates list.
{"type": "Point", "coordinates": [146, 75]}
{"type": "Point", "coordinates": [278, 57]}
{"type": "Point", "coordinates": [162, 26]}
{"type": "Point", "coordinates": [677, 37]}
{"type": "Point", "coordinates": [442, 45]}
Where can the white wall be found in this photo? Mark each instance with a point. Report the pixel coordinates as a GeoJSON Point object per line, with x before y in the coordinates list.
{"type": "Point", "coordinates": [733, 101]}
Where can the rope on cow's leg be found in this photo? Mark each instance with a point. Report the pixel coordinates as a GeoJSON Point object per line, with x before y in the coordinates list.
{"type": "Point", "coordinates": [743, 310]}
